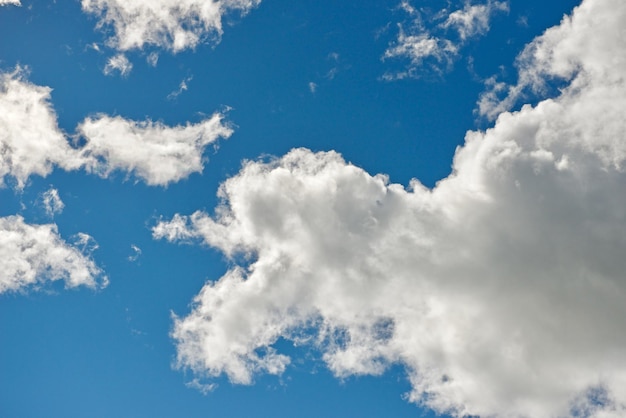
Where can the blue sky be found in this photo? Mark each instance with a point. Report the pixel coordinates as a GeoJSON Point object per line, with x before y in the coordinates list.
{"type": "Point", "coordinates": [314, 208]}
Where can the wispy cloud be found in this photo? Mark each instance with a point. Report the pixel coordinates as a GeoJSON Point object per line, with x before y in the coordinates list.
{"type": "Point", "coordinates": [183, 86]}
{"type": "Point", "coordinates": [427, 41]}
{"type": "Point", "coordinates": [538, 64]}
{"type": "Point", "coordinates": [152, 59]}
{"type": "Point", "coordinates": [52, 203]}
{"type": "Point", "coordinates": [473, 20]}
{"type": "Point", "coordinates": [118, 63]}
{"type": "Point", "coordinates": [136, 253]}
{"type": "Point", "coordinates": [204, 388]}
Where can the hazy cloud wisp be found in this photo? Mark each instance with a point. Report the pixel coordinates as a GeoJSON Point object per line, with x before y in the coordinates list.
{"type": "Point", "coordinates": [422, 45]}
{"type": "Point", "coordinates": [118, 63]}
{"type": "Point", "coordinates": [52, 203]}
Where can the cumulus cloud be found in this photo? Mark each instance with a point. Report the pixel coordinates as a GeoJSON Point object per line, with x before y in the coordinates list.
{"type": "Point", "coordinates": [563, 52]}
{"type": "Point", "coordinates": [435, 46]}
{"type": "Point", "coordinates": [31, 142]}
{"type": "Point", "coordinates": [174, 25]}
{"type": "Point", "coordinates": [31, 255]}
{"type": "Point", "coordinates": [30, 139]}
{"type": "Point", "coordinates": [118, 63]}
{"type": "Point", "coordinates": [52, 203]}
{"type": "Point", "coordinates": [501, 290]}
{"type": "Point", "coordinates": [7, 2]}
{"type": "Point", "coordinates": [151, 151]}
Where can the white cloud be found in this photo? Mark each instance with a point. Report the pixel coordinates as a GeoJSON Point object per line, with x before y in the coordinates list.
{"type": "Point", "coordinates": [562, 52]}
{"type": "Point", "coordinates": [31, 255]}
{"type": "Point", "coordinates": [152, 59]}
{"type": "Point", "coordinates": [203, 388]}
{"type": "Point", "coordinates": [151, 151]}
{"type": "Point", "coordinates": [183, 86]}
{"type": "Point", "coordinates": [120, 64]}
{"type": "Point", "coordinates": [13, 2]}
{"type": "Point", "coordinates": [94, 46]}
{"type": "Point", "coordinates": [501, 290]}
{"type": "Point", "coordinates": [473, 20]}
{"type": "Point", "coordinates": [52, 203]}
{"type": "Point", "coordinates": [171, 24]}
{"type": "Point", "coordinates": [434, 46]}
{"type": "Point", "coordinates": [416, 48]}
{"type": "Point", "coordinates": [136, 253]}
{"type": "Point", "coordinates": [30, 139]}
{"type": "Point", "coordinates": [31, 142]}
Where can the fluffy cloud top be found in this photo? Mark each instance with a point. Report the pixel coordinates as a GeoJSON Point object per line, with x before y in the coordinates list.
{"type": "Point", "coordinates": [31, 142]}
{"type": "Point", "coordinates": [153, 152]}
{"type": "Point", "coordinates": [33, 254]}
{"type": "Point", "coordinates": [171, 24]}
{"type": "Point", "coordinates": [565, 52]}
{"type": "Point", "coordinates": [13, 2]}
{"type": "Point", "coordinates": [434, 46]}
{"type": "Point", "coordinates": [30, 139]}
{"type": "Point", "coordinates": [501, 290]}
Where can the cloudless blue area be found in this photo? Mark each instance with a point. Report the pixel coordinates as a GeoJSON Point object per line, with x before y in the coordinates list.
{"type": "Point", "coordinates": [82, 353]}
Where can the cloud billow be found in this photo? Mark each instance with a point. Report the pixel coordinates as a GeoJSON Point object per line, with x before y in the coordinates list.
{"type": "Point", "coordinates": [151, 151]}
{"type": "Point", "coordinates": [501, 290]}
{"type": "Point", "coordinates": [32, 255]}
{"type": "Point", "coordinates": [173, 25]}
{"type": "Point", "coordinates": [33, 144]}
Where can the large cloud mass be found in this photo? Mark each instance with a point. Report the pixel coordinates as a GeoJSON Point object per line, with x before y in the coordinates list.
{"type": "Point", "coordinates": [33, 254]}
{"type": "Point", "coordinates": [502, 290]}
{"type": "Point", "coordinates": [31, 142]}
{"type": "Point", "coordinates": [171, 24]}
